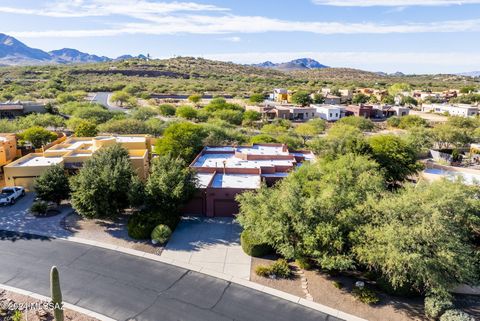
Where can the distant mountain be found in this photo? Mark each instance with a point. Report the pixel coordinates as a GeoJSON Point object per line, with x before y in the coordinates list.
{"type": "Point", "coordinates": [470, 74]}
{"type": "Point", "coordinates": [14, 52]}
{"type": "Point", "coordinates": [126, 57]}
{"type": "Point", "coordinates": [297, 64]}
{"type": "Point", "coordinates": [68, 55]}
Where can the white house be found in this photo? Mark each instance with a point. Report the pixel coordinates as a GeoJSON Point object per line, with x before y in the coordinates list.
{"type": "Point", "coordinates": [452, 110]}
{"type": "Point", "coordinates": [328, 112]}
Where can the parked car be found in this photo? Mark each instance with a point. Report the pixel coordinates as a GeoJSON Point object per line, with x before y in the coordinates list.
{"type": "Point", "coordinates": [9, 195]}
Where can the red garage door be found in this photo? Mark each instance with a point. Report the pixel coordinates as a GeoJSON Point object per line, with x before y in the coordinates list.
{"type": "Point", "coordinates": [225, 208]}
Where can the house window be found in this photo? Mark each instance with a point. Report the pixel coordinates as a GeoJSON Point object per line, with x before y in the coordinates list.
{"type": "Point", "coordinates": [330, 114]}
{"type": "Point", "coordinates": [336, 114]}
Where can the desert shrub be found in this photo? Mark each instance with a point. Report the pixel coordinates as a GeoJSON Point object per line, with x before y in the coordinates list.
{"type": "Point", "coordinates": [167, 110]}
{"type": "Point", "coordinates": [252, 246]}
{"type": "Point", "coordinates": [161, 233]}
{"type": "Point", "coordinates": [281, 269]}
{"type": "Point", "coordinates": [436, 305]}
{"type": "Point", "coordinates": [39, 208]}
{"type": "Point", "coordinates": [263, 271]}
{"type": "Point", "coordinates": [365, 295]}
{"type": "Point", "coordinates": [456, 315]}
{"type": "Point", "coordinates": [304, 263]}
{"type": "Point", "coordinates": [393, 121]}
{"type": "Point", "coordinates": [140, 226]}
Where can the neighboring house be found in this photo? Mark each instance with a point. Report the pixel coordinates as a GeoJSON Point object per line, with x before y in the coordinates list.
{"type": "Point", "coordinates": [452, 110]}
{"type": "Point", "coordinates": [224, 172]}
{"type": "Point", "coordinates": [332, 100]}
{"type": "Point", "coordinates": [72, 153]}
{"type": "Point", "coordinates": [359, 110]}
{"type": "Point", "coordinates": [8, 148]}
{"type": "Point", "coordinates": [302, 113]}
{"type": "Point", "coordinates": [386, 111]}
{"type": "Point", "coordinates": [328, 112]}
{"type": "Point", "coordinates": [10, 110]}
{"type": "Point", "coordinates": [280, 95]}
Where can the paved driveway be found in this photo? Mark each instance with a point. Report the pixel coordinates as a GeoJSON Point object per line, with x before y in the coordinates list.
{"type": "Point", "coordinates": [212, 243]}
{"type": "Point", "coordinates": [126, 287]}
{"type": "Point", "coordinates": [17, 217]}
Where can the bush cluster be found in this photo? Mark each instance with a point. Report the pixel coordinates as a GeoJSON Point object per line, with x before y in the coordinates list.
{"type": "Point", "coordinates": [39, 208]}
{"type": "Point", "coordinates": [161, 233]}
{"type": "Point", "coordinates": [254, 247]}
{"type": "Point", "coordinates": [279, 268]}
{"type": "Point", "coordinates": [436, 305]}
{"type": "Point", "coordinates": [365, 295]}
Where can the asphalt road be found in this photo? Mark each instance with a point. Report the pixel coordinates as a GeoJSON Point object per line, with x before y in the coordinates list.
{"type": "Point", "coordinates": [126, 287]}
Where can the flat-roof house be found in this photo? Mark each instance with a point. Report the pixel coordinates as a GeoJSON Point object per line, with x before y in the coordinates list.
{"type": "Point", "coordinates": [386, 111]}
{"type": "Point", "coordinates": [302, 113]}
{"type": "Point", "coordinates": [280, 95]}
{"type": "Point", "coordinates": [328, 112]}
{"type": "Point", "coordinates": [8, 148]}
{"type": "Point", "coordinates": [359, 111]}
{"type": "Point", "coordinates": [330, 99]}
{"type": "Point", "coordinates": [72, 153]}
{"type": "Point", "coordinates": [223, 172]}
{"type": "Point", "coordinates": [12, 109]}
{"type": "Point", "coordinates": [453, 110]}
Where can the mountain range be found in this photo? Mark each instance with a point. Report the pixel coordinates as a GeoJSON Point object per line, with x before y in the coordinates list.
{"type": "Point", "coordinates": [297, 64]}
{"type": "Point", "coordinates": [15, 52]}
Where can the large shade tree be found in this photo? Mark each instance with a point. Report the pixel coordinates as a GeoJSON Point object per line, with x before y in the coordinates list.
{"type": "Point", "coordinates": [52, 185]}
{"type": "Point", "coordinates": [423, 236]}
{"type": "Point", "coordinates": [102, 187]}
{"type": "Point", "coordinates": [311, 212]}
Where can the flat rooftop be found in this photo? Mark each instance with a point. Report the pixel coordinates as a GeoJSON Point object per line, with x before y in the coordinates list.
{"type": "Point", "coordinates": [38, 161]}
{"type": "Point", "coordinates": [236, 181]}
{"type": "Point", "coordinates": [262, 150]}
{"type": "Point", "coordinates": [130, 139]}
{"type": "Point", "coordinates": [221, 160]}
{"type": "Point", "coordinates": [203, 179]}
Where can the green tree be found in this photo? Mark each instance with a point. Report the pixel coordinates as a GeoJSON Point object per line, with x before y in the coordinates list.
{"type": "Point", "coordinates": [307, 130]}
{"type": "Point", "coordinates": [86, 129]}
{"type": "Point", "coordinates": [102, 187]}
{"type": "Point", "coordinates": [120, 97]}
{"type": "Point", "coordinates": [361, 123]}
{"type": "Point", "coordinates": [310, 213]}
{"type": "Point", "coordinates": [398, 159]}
{"type": "Point", "coordinates": [318, 99]}
{"type": "Point", "coordinates": [256, 98]}
{"type": "Point", "coordinates": [389, 100]}
{"type": "Point", "coordinates": [231, 116]}
{"type": "Point", "coordinates": [187, 112]}
{"type": "Point", "coordinates": [410, 121]}
{"type": "Point", "coordinates": [166, 110]}
{"type": "Point", "coordinates": [251, 116]}
{"type": "Point", "coordinates": [423, 236]}
{"type": "Point", "coordinates": [195, 99]}
{"type": "Point", "coordinates": [144, 113]}
{"type": "Point", "coordinates": [360, 99]}
{"type": "Point", "coordinates": [38, 136]}
{"type": "Point", "coordinates": [408, 101]}
{"type": "Point", "coordinates": [170, 185]}
{"type": "Point", "coordinates": [183, 140]}
{"type": "Point", "coordinates": [397, 88]}
{"type": "Point", "coordinates": [124, 126]}
{"type": "Point", "coordinates": [301, 98]}
{"type": "Point", "coordinates": [447, 135]}
{"type": "Point", "coordinates": [263, 139]}
{"type": "Point", "coordinates": [52, 185]}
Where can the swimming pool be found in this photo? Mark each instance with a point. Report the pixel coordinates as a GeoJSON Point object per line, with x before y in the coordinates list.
{"type": "Point", "coordinates": [468, 178]}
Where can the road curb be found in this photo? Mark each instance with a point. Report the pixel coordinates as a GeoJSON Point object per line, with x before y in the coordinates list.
{"type": "Point", "coordinates": [66, 305]}
{"type": "Point", "coordinates": [246, 283]}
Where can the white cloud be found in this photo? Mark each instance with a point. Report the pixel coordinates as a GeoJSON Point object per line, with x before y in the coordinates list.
{"type": "Point", "coordinates": [411, 62]}
{"type": "Point", "coordinates": [232, 39]}
{"type": "Point", "coordinates": [392, 3]}
{"type": "Point", "coordinates": [142, 9]}
{"type": "Point", "coordinates": [227, 24]}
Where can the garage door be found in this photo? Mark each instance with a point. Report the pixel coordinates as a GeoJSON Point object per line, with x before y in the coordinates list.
{"type": "Point", "coordinates": [194, 207]}
{"type": "Point", "coordinates": [225, 208]}
{"type": "Point", "coordinates": [26, 182]}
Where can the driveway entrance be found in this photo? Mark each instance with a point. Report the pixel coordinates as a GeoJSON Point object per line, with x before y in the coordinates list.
{"type": "Point", "coordinates": [212, 243]}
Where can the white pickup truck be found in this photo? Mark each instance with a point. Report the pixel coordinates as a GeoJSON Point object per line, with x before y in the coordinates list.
{"type": "Point", "coordinates": [9, 195]}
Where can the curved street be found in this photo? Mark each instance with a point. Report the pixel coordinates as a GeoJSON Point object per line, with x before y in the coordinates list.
{"type": "Point", "coordinates": [126, 287]}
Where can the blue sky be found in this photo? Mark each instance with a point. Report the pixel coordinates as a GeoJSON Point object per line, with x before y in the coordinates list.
{"type": "Point", "coordinates": [413, 36]}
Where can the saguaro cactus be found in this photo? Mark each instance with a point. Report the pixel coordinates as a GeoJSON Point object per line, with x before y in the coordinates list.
{"type": "Point", "coordinates": [56, 294]}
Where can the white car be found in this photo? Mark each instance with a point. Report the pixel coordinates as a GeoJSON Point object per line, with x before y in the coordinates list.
{"type": "Point", "coordinates": [9, 195]}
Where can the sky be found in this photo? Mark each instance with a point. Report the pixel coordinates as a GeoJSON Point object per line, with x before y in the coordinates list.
{"type": "Point", "coordinates": [411, 36]}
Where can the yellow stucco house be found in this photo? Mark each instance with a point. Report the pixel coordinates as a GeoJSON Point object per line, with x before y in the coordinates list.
{"type": "Point", "coordinates": [8, 148]}
{"type": "Point", "coordinates": [72, 153]}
